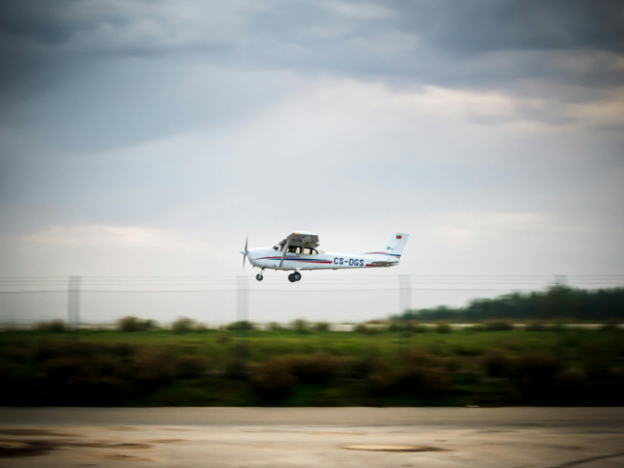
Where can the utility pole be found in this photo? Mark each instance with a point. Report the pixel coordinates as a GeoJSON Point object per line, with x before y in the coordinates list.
{"type": "Point", "coordinates": [73, 302]}
{"type": "Point", "coordinates": [561, 281]}
{"type": "Point", "coordinates": [243, 298]}
{"type": "Point", "coordinates": [405, 304]}
{"type": "Point", "coordinates": [405, 293]}
{"type": "Point", "coordinates": [242, 315]}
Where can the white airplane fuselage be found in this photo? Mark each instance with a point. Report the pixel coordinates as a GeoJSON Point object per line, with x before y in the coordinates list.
{"type": "Point", "coordinates": [270, 259]}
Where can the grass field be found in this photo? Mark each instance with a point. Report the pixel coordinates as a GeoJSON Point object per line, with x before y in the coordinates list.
{"type": "Point", "coordinates": [286, 368]}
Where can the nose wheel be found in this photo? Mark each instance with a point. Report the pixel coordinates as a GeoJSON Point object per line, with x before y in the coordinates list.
{"type": "Point", "coordinates": [259, 276]}
{"type": "Point", "coordinates": [296, 276]}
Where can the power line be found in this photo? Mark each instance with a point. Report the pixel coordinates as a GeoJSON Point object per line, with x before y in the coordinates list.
{"type": "Point", "coordinates": [121, 291]}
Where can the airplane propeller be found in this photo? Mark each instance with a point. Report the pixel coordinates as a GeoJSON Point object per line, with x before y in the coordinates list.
{"type": "Point", "coordinates": [245, 252]}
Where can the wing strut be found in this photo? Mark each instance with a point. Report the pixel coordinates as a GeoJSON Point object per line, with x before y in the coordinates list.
{"type": "Point", "coordinates": [285, 250]}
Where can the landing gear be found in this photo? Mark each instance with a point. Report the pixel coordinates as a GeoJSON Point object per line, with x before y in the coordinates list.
{"type": "Point", "coordinates": [259, 276]}
{"type": "Point", "coordinates": [296, 276]}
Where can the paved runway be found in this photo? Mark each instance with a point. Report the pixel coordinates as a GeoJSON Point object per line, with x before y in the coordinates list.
{"type": "Point", "coordinates": [306, 437]}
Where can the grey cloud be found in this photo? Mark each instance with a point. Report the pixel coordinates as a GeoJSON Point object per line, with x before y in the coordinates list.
{"type": "Point", "coordinates": [440, 42]}
{"type": "Point", "coordinates": [37, 20]}
{"type": "Point", "coordinates": [495, 25]}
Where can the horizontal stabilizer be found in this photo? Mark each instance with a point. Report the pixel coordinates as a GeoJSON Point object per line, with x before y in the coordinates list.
{"type": "Point", "coordinates": [383, 263]}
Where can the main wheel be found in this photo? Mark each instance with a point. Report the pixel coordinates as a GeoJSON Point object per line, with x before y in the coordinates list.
{"type": "Point", "coordinates": [259, 277]}
{"type": "Point", "coordinates": [292, 278]}
{"type": "Point", "coordinates": [297, 276]}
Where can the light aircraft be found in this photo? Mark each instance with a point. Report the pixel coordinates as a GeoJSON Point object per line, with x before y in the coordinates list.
{"type": "Point", "coordinates": [299, 251]}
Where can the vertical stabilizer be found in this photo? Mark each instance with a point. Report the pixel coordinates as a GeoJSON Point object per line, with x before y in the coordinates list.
{"type": "Point", "coordinates": [393, 246]}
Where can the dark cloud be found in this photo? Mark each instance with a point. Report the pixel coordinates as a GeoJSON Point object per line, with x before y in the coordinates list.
{"type": "Point", "coordinates": [494, 25]}
{"type": "Point", "coordinates": [479, 44]}
{"type": "Point", "coordinates": [439, 42]}
{"type": "Point", "coordinates": [37, 20]}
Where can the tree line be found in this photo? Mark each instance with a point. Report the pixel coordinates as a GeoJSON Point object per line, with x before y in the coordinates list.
{"type": "Point", "coordinates": [556, 303]}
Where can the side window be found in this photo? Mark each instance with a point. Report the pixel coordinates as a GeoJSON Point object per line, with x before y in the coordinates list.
{"type": "Point", "coordinates": [295, 250]}
{"type": "Point", "coordinates": [313, 252]}
{"type": "Point", "coordinates": [307, 251]}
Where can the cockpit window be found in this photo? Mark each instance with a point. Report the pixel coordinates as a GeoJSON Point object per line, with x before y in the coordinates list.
{"type": "Point", "coordinates": [278, 247]}
{"type": "Point", "coordinates": [294, 250]}
{"type": "Point", "coordinates": [310, 251]}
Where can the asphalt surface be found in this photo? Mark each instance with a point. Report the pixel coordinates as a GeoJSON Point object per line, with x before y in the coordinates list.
{"type": "Point", "coordinates": [454, 417]}
{"type": "Point", "coordinates": [306, 437]}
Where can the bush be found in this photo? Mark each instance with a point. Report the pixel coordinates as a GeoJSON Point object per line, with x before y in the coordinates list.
{"type": "Point", "coordinates": [201, 328]}
{"type": "Point", "coordinates": [452, 364]}
{"type": "Point", "coordinates": [82, 381]}
{"type": "Point", "coordinates": [224, 338]}
{"type": "Point", "coordinates": [424, 376]}
{"type": "Point", "coordinates": [396, 327]}
{"type": "Point", "coordinates": [149, 365]}
{"type": "Point", "coordinates": [58, 371]}
{"type": "Point", "coordinates": [357, 368]}
{"type": "Point", "coordinates": [536, 325]}
{"type": "Point", "coordinates": [273, 378]}
{"type": "Point", "coordinates": [596, 369]}
{"type": "Point", "coordinates": [383, 380]}
{"type": "Point", "coordinates": [361, 328]}
{"type": "Point", "coordinates": [183, 325]}
{"type": "Point", "coordinates": [498, 325]}
{"type": "Point", "coordinates": [315, 368]}
{"type": "Point", "coordinates": [321, 326]}
{"type": "Point", "coordinates": [53, 326]}
{"type": "Point", "coordinates": [496, 363]}
{"type": "Point", "coordinates": [236, 368]}
{"type": "Point", "coordinates": [134, 324]}
{"type": "Point", "coordinates": [422, 356]}
{"type": "Point", "coordinates": [534, 374]}
{"type": "Point", "coordinates": [300, 326]}
{"type": "Point", "coordinates": [416, 327]}
{"type": "Point", "coordinates": [428, 382]}
{"type": "Point", "coordinates": [191, 366]}
{"type": "Point", "coordinates": [559, 326]}
{"type": "Point", "coordinates": [611, 326]}
{"type": "Point", "coordinates": [275, 326]}
{"type": "Point", "coordinates": [122, 349]}
{"type": "Point", "coordinates": [241, 325]}
{"type": "Point", "coordinates": [443, 327]}
{"type": "Point", "coordinates": [468, 349]}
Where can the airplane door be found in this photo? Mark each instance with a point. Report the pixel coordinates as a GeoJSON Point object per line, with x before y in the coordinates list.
{"type": "Point", "coordinates": [306, 255]}
{"type": "Point", "coordinates": [294, 253]}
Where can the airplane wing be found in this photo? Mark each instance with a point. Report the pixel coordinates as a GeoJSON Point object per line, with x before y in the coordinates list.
{"type": "Point", "coordinates": [298, 239]}
{"type": "Point", "coordinates": [301, 239]}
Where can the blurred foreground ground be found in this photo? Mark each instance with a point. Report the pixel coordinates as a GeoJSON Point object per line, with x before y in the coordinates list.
{"type": "Point", "coordinates": [298, 437]}
{"type": "Point", "coordinates": [554, 366]}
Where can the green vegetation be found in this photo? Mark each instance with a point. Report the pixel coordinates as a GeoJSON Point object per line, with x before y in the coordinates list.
{"type": "Point", "coordinates": [134, 324]}
{"type": "Point", "coordinates": [555, 303]}
{"type": "Point", "coordinates": [193, 366]}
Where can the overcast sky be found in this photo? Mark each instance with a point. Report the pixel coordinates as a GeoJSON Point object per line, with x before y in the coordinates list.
{"type": "Point", "coordinates": [150, 137]}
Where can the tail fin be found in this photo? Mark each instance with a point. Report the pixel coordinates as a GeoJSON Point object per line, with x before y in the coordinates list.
{"type": "Point", "coordinates": [394, 246]}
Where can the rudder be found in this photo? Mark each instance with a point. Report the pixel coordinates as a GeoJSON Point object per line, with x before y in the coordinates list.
{"type": "Point", "coordinates": [394, 246]}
